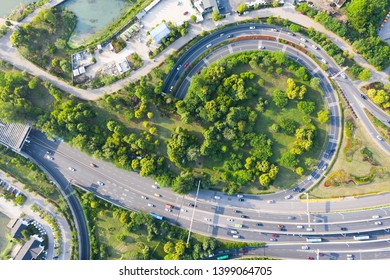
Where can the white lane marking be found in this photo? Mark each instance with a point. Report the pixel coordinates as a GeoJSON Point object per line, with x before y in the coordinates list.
{"type": "Point", "coordinates": [206, 61]}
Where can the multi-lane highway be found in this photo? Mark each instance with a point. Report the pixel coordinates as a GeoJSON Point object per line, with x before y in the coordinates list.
{"type": "Point", "coordinates": [280, 218]}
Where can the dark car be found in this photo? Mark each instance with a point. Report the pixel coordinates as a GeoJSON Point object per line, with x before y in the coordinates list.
{"type": "Point", "coordinates": [241, 199]}
{"type": "Point", "coordinates": [302, 190]}
{"type": "Point", "coordinates": [93, 165]}
{"type": "Point", "coordinates": [343, 228]}
{"type": "Point", "coordinates": [244, 216]}
{"type": "Point", "coordinates": [310, 258]}
{"type": "Point", "coordinates": [259, 224]}
{"type": "Point", "coordinates": [275, 235]}
{"type": "Point", "coordinates": [363, 96]}
{"type": "Point", "coordinates": [230, 36]}
{"type": "Point", "coordinates": [236, 211]}
{"type": "Point", "coordinates": [191, 204]}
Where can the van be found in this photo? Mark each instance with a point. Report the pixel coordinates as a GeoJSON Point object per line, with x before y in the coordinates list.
{"type": "Point", "coordinates": [236, 236]}
{"type": "Point", "coordinates": [299, 226]}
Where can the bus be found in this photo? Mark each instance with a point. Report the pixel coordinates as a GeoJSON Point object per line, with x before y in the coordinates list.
{"type": "Point", "coordinates": [154, 215]}
{"type": "Point", "coordinates": [361, 237]}
{"type": "Point", "coordinates": [314, 239]}
{"type": "Point", "coordinates": [224, 257]}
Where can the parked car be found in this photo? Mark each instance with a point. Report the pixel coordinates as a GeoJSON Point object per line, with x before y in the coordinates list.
{"type": "Point", "coordinates": [185, 13]}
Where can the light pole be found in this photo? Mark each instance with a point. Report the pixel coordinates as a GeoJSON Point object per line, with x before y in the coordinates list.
{"type": "Point", "coordinates": [307, 209]}
{"type": "Point", "coordinates": [193, 213]}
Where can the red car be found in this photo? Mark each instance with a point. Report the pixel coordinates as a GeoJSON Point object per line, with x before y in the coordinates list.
{"type": "Point", "coordinates": [275, 235]}
{"type": "Point", "coordinates": [310, 258]}
{"type": "Point", "coordinates": [185, 13]}
{"type": "Point", "coordinates": [185, 65]}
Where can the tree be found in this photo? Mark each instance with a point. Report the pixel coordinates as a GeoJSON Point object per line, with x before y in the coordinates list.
{"type": "Point", "coordinates": [295, 27]}
{"type": "Point", "coordinates": [288, 159]}
{"type": "Point", "coordinates": [323, 116]}
{"type": "Point", "coordinates": [193, 18]}
{"type": "Point", "coordinates": [299, 170]}
{"type": "Point", "coordinates": [315, 83]}
{"type": "Point", "coordinates": [183, 183]}
{"type": "Point", "coordinates": [216, 15]}
{"type": "Point", "coordinates": [279, 98]}
{"type": "Point", "coordinates": [264, 180]}
{"type": "Point", "coordinates": [306, 107]}
{"type": "Point", "coordinates": [169, 248]}
{"type": "Point", "coordinates": [364, 75]}
{"type": "Point", "coordinates": [33, 83]}
{"type": "Point", "coordinates": [242, 8]}
{"type": "Point", "coordinates": [275, 3]}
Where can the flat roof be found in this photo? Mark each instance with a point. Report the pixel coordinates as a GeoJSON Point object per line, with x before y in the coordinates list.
{"type": "Point", "coordinates": [161, 31]}
{"type": "Point", "coordinates": [209, 4]}
{"type": "Point", "coordinates": [13, 135]}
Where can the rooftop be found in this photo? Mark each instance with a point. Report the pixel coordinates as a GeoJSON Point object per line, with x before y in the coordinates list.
{"type": "Point", "coordinates": [30, 250]}
{"type": "Point", "coordinates": [160, 32]}
{"type": "Point", "coordinates": [13, 135]}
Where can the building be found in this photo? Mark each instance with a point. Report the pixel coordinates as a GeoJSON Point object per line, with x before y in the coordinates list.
{"type": "Point", "coordinates": [160, 32]}
{"type": "Point", "coordinates": [14, 135]}
{"type": "Point", "coordinates": [30, 250]}
{"type": "Point", "coordinates": [209, 5]}
{"type": "Point", "coordinates": [17, 227]}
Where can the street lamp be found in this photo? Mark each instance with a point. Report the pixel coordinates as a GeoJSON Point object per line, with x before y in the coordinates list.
{"type": "Point", "coordinates": [193, 213]}
{"type": "Point", "coordinates": [307, 209]}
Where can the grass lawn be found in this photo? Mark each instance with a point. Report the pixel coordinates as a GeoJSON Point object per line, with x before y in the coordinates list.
{"type": "Point", "coordinates": [357, 166]}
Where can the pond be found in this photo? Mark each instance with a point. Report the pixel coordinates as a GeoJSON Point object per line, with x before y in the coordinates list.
{"type": "Point", "coordinates": [92, 16]}
{"type": "Point", "coordinates": [4, 220]}
{"type": "Point", "coordinates": [7, 6]}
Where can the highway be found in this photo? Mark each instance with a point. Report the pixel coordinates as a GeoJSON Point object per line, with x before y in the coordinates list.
{"type": "Point", "coordinates": [219, 215]}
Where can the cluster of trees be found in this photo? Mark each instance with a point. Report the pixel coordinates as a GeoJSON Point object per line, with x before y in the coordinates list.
{"type": "Point", "coordinates": [364, 18]}
{"type": "Point", "coordinates": [381, 97]}
{"type": "Point", "coordinates": [142, 224]}
{"type": "Point", "coordinates": [43, 41]}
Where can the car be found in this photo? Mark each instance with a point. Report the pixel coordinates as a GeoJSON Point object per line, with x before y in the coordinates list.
{"type": "Point", "coordinates": [241, 199]}
{"type": "Point", "coordinates": [236, 211]}
{"type": "Point", "coordinates": [291, 217]}
{"type": "Point", "coordinates": [155, 187]}
{"type": "Point", "coordinates": [296, 189]}
{"type": "Point", "coordinates": [191, 204]}
{"type": "Point", "coordinates": [93, 165]}
{"type": "Point", "coordinates": [343, 75]}
{"type": "Point", "coordinates": [168, 210]}
{"type": "Point", "coordinates": [157, 194]}
{"type": "Point", "coordinates": [376, 216]}
{"type": "Point", "coordinates": [315, 47]}
{"type": "Point", "coordinates": [378, 223]}
{"type": "Point", "coordinates": [309, 229]}
{"type": "Point", "coordinates": [230, 220]}
{"type": "Point", "coordinates": [252, 27]}
{"type": "Point", "coordinates": [209, 45]}
{"type": "Point", "coordinates": [280, 226]}
{"type": "Point", "coordinates": [49, 152]}
{"type": "Point", "coordinates": [71, 169]}
{"type": "Point", "coordinates": [198, 72]}
{"type": "Point", "coordinates": [49, 157]}
{"type": "Point", "coordinates": [343, 228]}
{"type": "Point", "coordinates": [184, 210]}
{"type": "Point", "coordinates": [324, 61]}
{"type": "Point", "coordinates": [302, 190]}
{"type": "Point", "coordinates": [273, 239]}
{"type": "Point", "coordinates": [275, 235]}
{"type": "Point", "coordinates": [324, 167]}
{"type": "Point", "coordinates": [217, 197]}
{"type": "Point", "coordinates": [186, 65]}
{"type": "Point", "coordinates": [363, 96]}
{"type": "Point", "coordinates": [321, 254]}
{"type": "Point", "coordinates": [288, 196]}
{"type": "Point", "coordinates": [259, 224]}
{"type": "Point", "coordinates": [100, 183]}
{"type": "Point", "coordinates": [207, 219]}
{"type": "Point", "coordinates": [379, 138]}
{"type": "Point", "coordinates": [305, 247]}
{"type": "Point", "coordinates": [171, 88]}
{"type": "Point", "coordinates": [261, 47]}
{"type": "Point", "coordinates": [220, 35]}
{"type": "Point", "coordinates": [243, 251]}
{"type": "Point", "coordinates": [233, 231]}
{"type": "Point", "coordinates": [178, 67]}
{"type": "Point", "coordinates": [244, 216]}
{"type": "Point", "coordinates": [144, 197]}
{"type": "Point", "coordinates": [185, 13]}
{"type": "Point", "coordinates": [211, 255]}
{"type": "Point", "coordinates": [316, 220]}
{"type": "Point", "coordinates": [229, 36]}
{"type": "Point", "coordinates": [150, 205]}
{"type": "Point", "coordinates": [236, 236]}
{"type": "Point", "coordinates": [303, 40]}
{"type": "Point", "coordinates": [302, 45]}
{"type": "Point", "coordinates": [270, 201]}
{"type": "Point", "coordinates": [310, 258]}
{"type": "Point", "coordinates": [240, 196]}
{"type": "Point", "coordinates": [300, 226]}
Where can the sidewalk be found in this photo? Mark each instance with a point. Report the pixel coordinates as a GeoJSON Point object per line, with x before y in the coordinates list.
{"type": "Point", "coordinates": [14, 212]}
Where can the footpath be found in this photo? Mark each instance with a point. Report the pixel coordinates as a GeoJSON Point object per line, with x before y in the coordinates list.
{"type": "Point", "coordinates": [13, 211]}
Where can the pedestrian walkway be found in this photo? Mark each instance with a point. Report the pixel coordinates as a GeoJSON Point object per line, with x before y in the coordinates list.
{"type": "Point", "coordinates": [15, 211]}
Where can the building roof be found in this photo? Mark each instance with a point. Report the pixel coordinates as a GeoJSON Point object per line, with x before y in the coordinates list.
{"type": "Point", "coordinates": [17, 228]}
{"type": "Point", "coordinates": [161, 31]}
{"type": "Point", "coordinates": [13, 135]}
{"type": "Point", "coordinates": [151, 5]}
{"type": "Point", "coordinates": [30, 250]}
{"type": "Point", "coordinates": [209, 4]}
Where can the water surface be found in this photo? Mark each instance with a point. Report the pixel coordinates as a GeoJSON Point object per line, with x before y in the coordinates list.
{"type": "Point", "coordinates": [7, 6]}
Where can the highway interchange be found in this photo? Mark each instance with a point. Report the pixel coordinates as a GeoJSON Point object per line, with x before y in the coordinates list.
{"type": "Point", "coordinates": [331, 220]}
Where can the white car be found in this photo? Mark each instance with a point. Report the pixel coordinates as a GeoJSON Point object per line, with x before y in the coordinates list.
{"type": "Point", "coordinates": [168, 210]}
{"type": "Point", "coordinates": [184, 210]}
{"type": "Point", "coordinates": [252, 27]}
{"type": "Point", "coordinates": [71, 169]}
{"type": "Point", "coordinates": [303, 40]}
{"type": "Point", "coordinates": [178, 67]}
{"type": "Point", "coordinates": [207, 219]}
{"type": "Point", "coordinates": [144, 197]}
{"type": "Point", "coordinates": [233, 231]}
{"type": "Point", "coordinates": [209, 45]}
{"type": "Point", "coordinates": [230, 220]}
{"type": "Point", "coordinates": [271, 201]}
{"type": "Point", "coordinates": [379, 138]}
{"type": "Point", "coordinates": [324, 61]}
{"type": "Point", "coordinates": [305, 247]}
{"type": "Point", "coordinates": [288, 196]}
{"type": "Point", "coordinates": [315, 47]}
{"type": "Point", "coordinates": [100, 183]}
{"type": "Point", "coordinates": [343, 75]}
{"type": "Point", "coordinates": [378, 223]}
{"type": "Point", "coordinates": [155, 187]}
{"type": "Point", "coordinates": [49, 157]}
{"type": "Point", "coordinates": [150, 205]}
